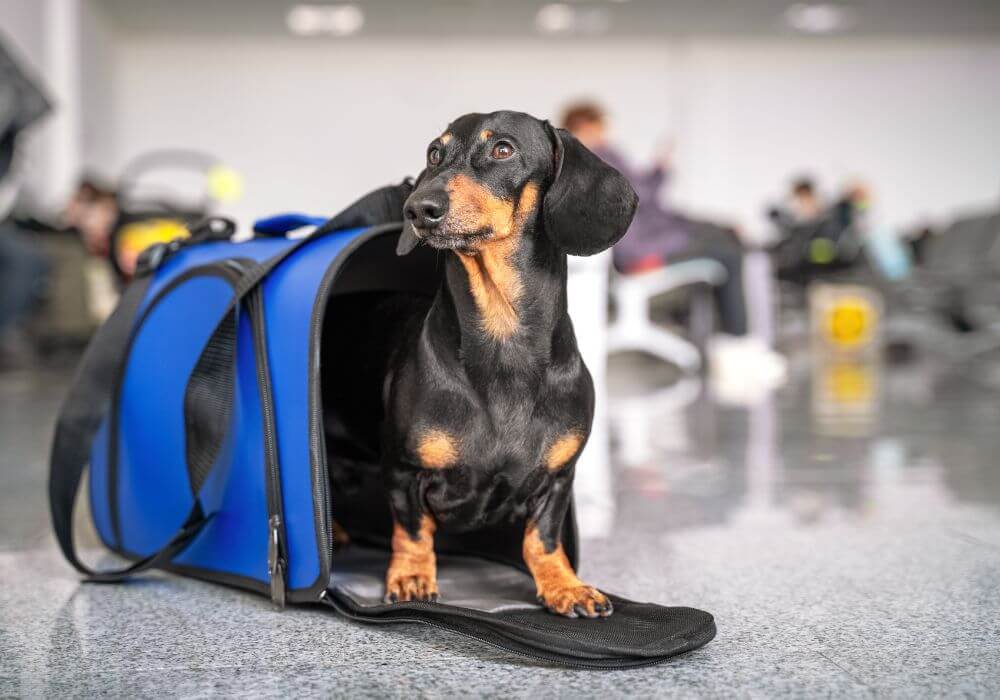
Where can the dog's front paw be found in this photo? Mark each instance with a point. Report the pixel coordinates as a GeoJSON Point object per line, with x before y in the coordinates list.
{"type": "Point", "coordinates": [406, 583]}
{"type": "Point", "coordinates": [576, 601]}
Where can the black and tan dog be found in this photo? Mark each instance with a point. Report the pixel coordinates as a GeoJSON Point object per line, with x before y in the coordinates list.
{"type": "Point", "coordinates": [487, 403]}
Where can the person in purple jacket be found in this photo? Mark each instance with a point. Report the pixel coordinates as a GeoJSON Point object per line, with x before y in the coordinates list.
{"type": "Point", "coordinates": [659, 236]}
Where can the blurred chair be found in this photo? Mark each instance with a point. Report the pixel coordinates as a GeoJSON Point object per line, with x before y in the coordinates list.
{"type": "Point", "coordinates": [957, 286]}
{"type": "Point", "coordinates": [633, 328]}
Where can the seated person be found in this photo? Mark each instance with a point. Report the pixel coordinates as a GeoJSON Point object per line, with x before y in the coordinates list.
{"type": "Point", "coordinates": [659, 236]}
{"type": "Point", "coordinates": [816, 238]}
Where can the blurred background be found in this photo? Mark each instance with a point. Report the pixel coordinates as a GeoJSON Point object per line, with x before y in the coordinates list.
{"type": "Point", "coordinates": [802, 329]}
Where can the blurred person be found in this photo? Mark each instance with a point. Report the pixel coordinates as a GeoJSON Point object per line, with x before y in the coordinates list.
{"type": "Point", "coordinates": [92, 211]}
{"type": "Point", "coordinates": [22, 276]}
{"type": "Point", "coordinates": [22, 266]}
{"type": "Point", "coordinates": [659, 236]}
{"type": "Point", "coordinates": [804, 203]}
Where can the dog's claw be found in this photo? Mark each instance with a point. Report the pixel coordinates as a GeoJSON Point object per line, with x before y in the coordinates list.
{"type": "Point", "coordinates": [576, 601]}
{"type": "Point", "coordinates": [409, 588]}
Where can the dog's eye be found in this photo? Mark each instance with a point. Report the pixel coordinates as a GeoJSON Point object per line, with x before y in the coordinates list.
{"type": "Point", "coordinates": [502, 150]}
{"type": "Point", "coordinates": [434, 156]}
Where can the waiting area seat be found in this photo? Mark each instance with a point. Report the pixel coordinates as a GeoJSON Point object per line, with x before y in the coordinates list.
{"type": "Point", "coordinates": [633, 327]}
{"type": "Point", "coordinates": [958, 283]}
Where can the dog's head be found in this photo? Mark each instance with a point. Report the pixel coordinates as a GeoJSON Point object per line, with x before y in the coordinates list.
{"type": "Point", "coordinates": [490, 175]}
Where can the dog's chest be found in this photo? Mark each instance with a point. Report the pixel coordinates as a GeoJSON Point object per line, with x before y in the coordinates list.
{"type": "Point", "coordinates": [485, 466]}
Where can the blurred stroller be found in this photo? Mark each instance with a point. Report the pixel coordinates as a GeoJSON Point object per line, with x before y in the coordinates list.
{"type": "Point", "coordinates": [159, 197]}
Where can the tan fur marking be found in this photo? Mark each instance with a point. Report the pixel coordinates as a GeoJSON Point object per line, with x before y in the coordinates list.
{"type": "Point", "coordinates": [485, 134]}
{"type": "Point", "coordinates": [557, 584]}
{"type": "Point", "coordinates": [437, 450]}
{"type": "Point", "coordinates": [495, 284]}
{"type": "Point", "coordinates": [412, 573]}
{"type": "Point", "coordinates": [562, 451]}
{"type": "Point", "coordinates": [445, 138]}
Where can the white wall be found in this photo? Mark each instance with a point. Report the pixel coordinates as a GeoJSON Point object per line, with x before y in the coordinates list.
{"type": "Point", "coordinates": [97, 140]}
{"type": "Point", "coordinates": [67, 46]}
{"type": "Point", "coordinates": [917, 120]}
{"type": "Point", "coordinates": [312, 124]}
{"type": "Point", "coordinates": [22, 25]}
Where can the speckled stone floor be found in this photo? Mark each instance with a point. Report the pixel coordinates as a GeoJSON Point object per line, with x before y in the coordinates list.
{"type": "Point", "coordinates": [845, 533]}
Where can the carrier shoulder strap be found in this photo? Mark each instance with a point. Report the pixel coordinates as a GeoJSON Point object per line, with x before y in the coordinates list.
{"type": "Point", "coordinates": [86, 404]}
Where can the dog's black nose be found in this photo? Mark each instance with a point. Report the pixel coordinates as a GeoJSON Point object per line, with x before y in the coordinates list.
{"type": "Point", "coordinates": [426, 210]}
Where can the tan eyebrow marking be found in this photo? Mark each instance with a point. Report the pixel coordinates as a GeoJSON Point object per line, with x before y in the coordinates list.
{"type": "Point", "coordinates": [445, 138]}
{"type": "Point", "coordinates": [485, 134]}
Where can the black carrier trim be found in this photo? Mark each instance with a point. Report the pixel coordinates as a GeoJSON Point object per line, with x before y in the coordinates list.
{"type": "Point", "coordinates": [277, 543]}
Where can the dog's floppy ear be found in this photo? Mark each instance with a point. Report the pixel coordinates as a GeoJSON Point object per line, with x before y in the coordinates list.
{"type": "Point", "coordinates": [408, 237]}
{"type": "Point", "coordinates": [589, 204]}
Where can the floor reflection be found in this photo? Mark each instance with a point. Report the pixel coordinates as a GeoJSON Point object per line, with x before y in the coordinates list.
{"type": "Point", "coordinates": [848, 439]}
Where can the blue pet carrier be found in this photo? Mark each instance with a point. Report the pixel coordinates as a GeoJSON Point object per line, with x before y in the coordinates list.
{"type": "Point", "coordinates": [199, 408]}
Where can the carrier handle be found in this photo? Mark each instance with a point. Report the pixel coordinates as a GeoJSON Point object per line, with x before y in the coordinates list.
{"type": "Point", "coordinates": [281, 225]}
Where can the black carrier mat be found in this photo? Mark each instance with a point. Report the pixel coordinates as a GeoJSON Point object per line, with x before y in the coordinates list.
{"type": "Point", "coordinates": [495, 604]}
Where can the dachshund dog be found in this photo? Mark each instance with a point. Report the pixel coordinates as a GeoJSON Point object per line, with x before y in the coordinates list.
{"type": "Point", "coordinates": [487, 402]}
{"type": "Point", "coordinates": [475, 401]}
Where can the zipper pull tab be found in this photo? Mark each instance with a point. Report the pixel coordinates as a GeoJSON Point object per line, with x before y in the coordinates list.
{"type": "Point", "coordinates": [276, 562]}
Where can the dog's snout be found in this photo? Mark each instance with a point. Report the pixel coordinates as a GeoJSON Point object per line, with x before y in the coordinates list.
{"type": "Point", "coordinates": [426, 210]}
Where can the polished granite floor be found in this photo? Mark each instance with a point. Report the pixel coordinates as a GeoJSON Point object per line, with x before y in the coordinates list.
{"type": "Point", "coordinates": [845, 532]}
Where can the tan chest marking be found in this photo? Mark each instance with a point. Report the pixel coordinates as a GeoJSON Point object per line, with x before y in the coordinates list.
{"type": "Point", "coordinates": [437, 450]}
{"type": "Point", "coordinates": [493, 279]}
{"type": "Point", "coordinates": [562, 451]}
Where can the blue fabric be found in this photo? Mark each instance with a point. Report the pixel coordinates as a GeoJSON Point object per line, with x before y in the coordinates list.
{"type": "Point", "coordinates": [154, 492]}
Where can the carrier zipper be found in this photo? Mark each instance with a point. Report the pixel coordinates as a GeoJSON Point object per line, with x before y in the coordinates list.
{"type": "Point", "coordinates": [277, 558]}
{"type": "Point", "coordinates": [275, 562]}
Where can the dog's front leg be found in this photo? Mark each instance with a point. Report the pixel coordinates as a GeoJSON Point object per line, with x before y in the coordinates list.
{"type": "Point", "coordinates": [412, 573]}
{"type": "Point", "coordinates": [559, 589]}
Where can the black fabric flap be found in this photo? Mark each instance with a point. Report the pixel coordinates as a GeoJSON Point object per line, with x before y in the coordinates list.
{"type": "Point", "coordinates": [494, 603]}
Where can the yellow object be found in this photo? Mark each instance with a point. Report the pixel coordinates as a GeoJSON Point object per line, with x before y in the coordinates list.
{"type": "Point", "coordinates": [850, 321]}
{"type": "Point", "coordinates": [139, 235]}
{"type": "Point", "coordinates": [849, 383]}
{"type": "Point", "coordinates": [224, 184]}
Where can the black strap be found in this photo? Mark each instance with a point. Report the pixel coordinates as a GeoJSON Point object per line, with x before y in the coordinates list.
{"type": "Point", "coordinates": [83, 410]}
